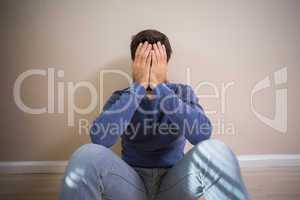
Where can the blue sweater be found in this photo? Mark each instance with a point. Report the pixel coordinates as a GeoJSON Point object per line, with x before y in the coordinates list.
{"type": "Point", "coordinates": [153, 131]}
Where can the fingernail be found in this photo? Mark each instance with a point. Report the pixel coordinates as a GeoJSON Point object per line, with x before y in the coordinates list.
{"type": "Point", "coordinates": [158, 42]}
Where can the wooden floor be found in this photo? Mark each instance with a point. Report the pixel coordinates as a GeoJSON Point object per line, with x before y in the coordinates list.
{"type": "Point", "coordinates": [263, 184]}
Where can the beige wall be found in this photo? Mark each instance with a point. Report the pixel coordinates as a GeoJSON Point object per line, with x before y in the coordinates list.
{"type": "Point", "coordinates": [219, 41]}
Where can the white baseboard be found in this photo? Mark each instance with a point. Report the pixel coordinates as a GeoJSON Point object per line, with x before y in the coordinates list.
{"type": "Point", "coordinates": [247, 162]}
{"type": "Point", "coordinates": [257, 161]}
{"type": "Point", "coordinates": [32, 167]}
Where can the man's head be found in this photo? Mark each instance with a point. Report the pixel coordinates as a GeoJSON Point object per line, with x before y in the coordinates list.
{"type": "Point", "coordinates": [152, 36]}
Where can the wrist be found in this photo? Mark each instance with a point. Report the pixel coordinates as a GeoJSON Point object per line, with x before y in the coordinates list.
{"type": "Point", "coordinates": [138, 89]}
{"type": "Point", "coordinates": [141, 82]}
{"type": "Point", "coordinates": [153, 84]}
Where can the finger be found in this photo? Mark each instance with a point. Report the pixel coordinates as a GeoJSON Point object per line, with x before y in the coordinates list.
{"type": "Point", "coordinates": [153, 57]}
{"type": "Point", "coordinates": [143, 48]}
{"type": "Point", "coordinates": [165, 52]}
{"type": "Point", "coordinates": [146, 53]}
{"type": "Point", "coordinates": [148, 60]}
{"type": "Point", "coordinates": [137, 51]}
{"type": "Point", "coordinates": [161, 51]}
{"type": "Point", "coordinates": [156, 51]}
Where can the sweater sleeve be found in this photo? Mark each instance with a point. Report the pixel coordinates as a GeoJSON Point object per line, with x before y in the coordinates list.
{"type": "Point", "coordinates": [186, 113]}
{"type": "Point", "coordinates": [116, 115]}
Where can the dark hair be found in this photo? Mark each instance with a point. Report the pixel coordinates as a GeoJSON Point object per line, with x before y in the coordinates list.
{"type": "Point", "coordinates": [151, 36]}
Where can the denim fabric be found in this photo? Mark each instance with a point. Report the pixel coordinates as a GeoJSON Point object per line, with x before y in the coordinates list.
{"type": "Point", "coordinates": [210, 168]}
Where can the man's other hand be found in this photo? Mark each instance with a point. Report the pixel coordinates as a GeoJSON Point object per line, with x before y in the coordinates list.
{"type": "Point", "coordinates": [142, 63]}
{"type": "Point", "coordinates": [159, 65]}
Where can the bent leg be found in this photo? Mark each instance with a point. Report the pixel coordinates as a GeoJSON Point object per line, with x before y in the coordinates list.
{"type": "Point", "coordinates": [211, 169]}
{"type": "Point", "coordinates": [96, 173]}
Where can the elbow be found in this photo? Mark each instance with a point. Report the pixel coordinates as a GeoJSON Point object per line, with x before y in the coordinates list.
{"type": "Point", "coordinates": [210, 127]}
{"type": "Point", "coordinates": [203, 132]}
{"type": "Point", "coordinates": [207, 129]}
{"type": "Point", "coordinates": [97, 137]}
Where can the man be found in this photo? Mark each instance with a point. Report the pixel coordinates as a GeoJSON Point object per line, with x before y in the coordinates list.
{"type": "Point", "coordinates": [154, 118]}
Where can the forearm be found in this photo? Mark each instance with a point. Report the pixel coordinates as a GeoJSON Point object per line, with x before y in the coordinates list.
{"type": "Point", "coordinates": [187, 115]}
{"type": "Point", "coordinates": [116, 115]}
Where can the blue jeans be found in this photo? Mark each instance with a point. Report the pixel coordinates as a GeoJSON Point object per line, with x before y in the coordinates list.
{"type": "Point", "coordinates": [210, 168]}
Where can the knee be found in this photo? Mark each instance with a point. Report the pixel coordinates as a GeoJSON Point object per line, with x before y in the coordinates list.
{"type": "Point", "coordinates": [215, 143]}
{"type": "Point", "coordinates": [217, 154]}
{"type": "Point", "coordinates": [90, 150]}
{"type": "Point", "coordinates": [215, 148]}
{"type": "Point", "coordinates": [81, 166]}
{"type": "Point", "coordinates": [89, 153]}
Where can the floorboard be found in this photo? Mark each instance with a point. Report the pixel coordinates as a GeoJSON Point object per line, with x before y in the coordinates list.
{"type": "Point", "coordinates": [263, 184]}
